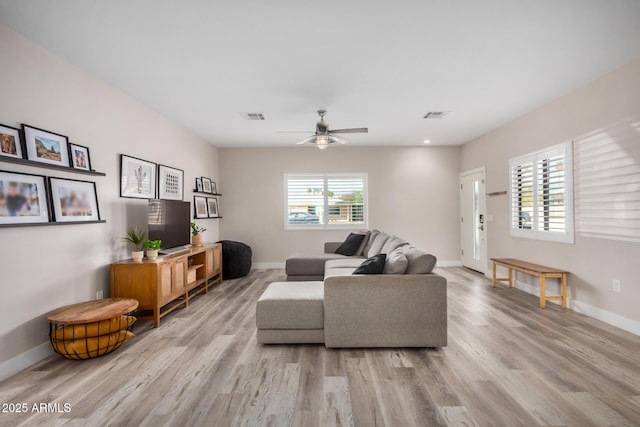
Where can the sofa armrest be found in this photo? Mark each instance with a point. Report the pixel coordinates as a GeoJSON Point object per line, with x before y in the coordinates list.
{"type": "Point", "coordinates": [330, 247]}
{"type": "Point", "coordinates": [385, 311]}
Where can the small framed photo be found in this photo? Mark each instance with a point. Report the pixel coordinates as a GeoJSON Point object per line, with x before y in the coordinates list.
{"type": "Point", "coordinates": [23, 199]}
{"type": "Point", "coordinates": [137, 178]}
{"type": "Point", "coordinates": [73, 200]}
{"type": "Point", "coordinates": [200, 207]}
{"type": "Point", "coordinates": [10, 142]}
{"type": "Point", "coordinates": [79, 157]}
{"type": "Point", "coordinates": [206, 185]}
{"type": "Point", "coordinates": [199, 185]}
{"type": "Point", "coordinates": [170, 183]}
{"type": "Point", "coordinates": [214, 189]}
{"type": "Point", "coordinates": [46, 147]}
{"type": "Point", "coordinates": [212, 207]}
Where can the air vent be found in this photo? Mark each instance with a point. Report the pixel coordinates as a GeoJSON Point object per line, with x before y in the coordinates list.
{"type": "Point", "coordinates": [252, 116]}
{"type": "Point", "coordinates": [435, 114]}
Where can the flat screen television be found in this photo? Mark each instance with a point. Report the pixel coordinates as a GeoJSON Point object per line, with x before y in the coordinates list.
{"type": "Point", "coordinates": [169, 221]}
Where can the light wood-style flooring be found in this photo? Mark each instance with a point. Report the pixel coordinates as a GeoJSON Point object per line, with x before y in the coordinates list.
{"type": "Point", "coordinates": [508, 363]}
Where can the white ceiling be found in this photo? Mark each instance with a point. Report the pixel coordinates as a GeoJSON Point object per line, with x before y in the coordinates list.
{"type": "Point", "coordinates": [380, 64]}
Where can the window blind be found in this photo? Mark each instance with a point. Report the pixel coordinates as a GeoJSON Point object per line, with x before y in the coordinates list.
{"type": "Point", "coordinates": [608, 183]}
{"type": "Point", "coordinates": [326, 201]}
{"type": "Point", "coordinates": [541, 194]}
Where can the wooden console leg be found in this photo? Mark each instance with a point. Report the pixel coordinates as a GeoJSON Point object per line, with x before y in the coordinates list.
{"type": "Point", "coordinates": [543, 292]}
{"type": "Point", "coordinates": [510, 278]}
{"type": "Point", "coordinates": [564, 291]}
{"type": "Point", "coordinates": [494, 274]}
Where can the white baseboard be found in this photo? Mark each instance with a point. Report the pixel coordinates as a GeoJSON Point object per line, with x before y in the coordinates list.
{"type": "Point", "coordinates": [267, 265]}
{"type": "Point", "coordinates": [449, 264]}
{"type": "Point", "coordinates": [24, 360]}
{"type": "Point", "coordinates": [605, 316]}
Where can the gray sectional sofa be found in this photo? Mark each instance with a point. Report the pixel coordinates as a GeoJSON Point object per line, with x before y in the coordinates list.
{"type": "Point", "coordinates": [324, 302]}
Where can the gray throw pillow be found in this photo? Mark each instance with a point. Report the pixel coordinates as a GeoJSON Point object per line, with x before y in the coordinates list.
{"type": "Point", "coordinates": [372, 237]}
{"type": "Point", "coordinates": [420, 262]}
{"type": "Point", "coordinates": [378, 243]}
{"type": "Point", "coordinates": [360, 250]}
{"type": "Point", "coordinates": [396, 262]}
{"type": "Point", "coordinates": [393, 243]}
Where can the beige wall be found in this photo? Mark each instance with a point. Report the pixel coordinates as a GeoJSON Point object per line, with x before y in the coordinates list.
{"type": "Point", "coordinates": [412, 193]}
{"type": "Point", "coordinates": [42, 268]}
{"type": "Point", "coordinates": [607, 104]}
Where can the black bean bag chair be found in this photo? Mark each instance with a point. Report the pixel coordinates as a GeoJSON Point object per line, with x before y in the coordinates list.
{"type": "Point", "coordinates": [236, 259]}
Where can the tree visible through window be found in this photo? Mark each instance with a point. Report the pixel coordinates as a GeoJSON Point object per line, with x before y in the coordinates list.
{"type": "Point", "coordinates": [541, 194]}
{"type": "Point", "coordinates": [325, 201]}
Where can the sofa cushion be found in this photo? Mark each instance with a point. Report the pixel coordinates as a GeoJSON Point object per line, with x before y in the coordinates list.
{"type": "Point", "coordinates": [339, 271]}
{"type": "Point", "coordinates": [308, 264]}
{"type": "Point", "coordinates": [373, 265]}
{"type": "Point", "coordinates": [364, 243]}
{"type": "Point", "coordinates": [378, 243]}
{"type": "Point", "coordinates": [291, 305]}
{"type": "Point", "coordinates": [396, 262]}
{"type": "Point", "coordinates": [372, 236]}
{"type": "Point", "coordinates": [351, 245]}
{"type": "Point", "coordinates": [392, 243]}
{"type": "Point", "coordinates": [420, 262]}
{"type": "Point", "coordinates": [350, 262]}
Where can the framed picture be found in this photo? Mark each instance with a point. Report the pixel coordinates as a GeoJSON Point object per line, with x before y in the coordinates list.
{"type": "Point", "coordinates": [46, 147]}
{"type": "Point", "coordinates": [79, 157]}
{"type": "Point", "coordinates": [200, 207]}
{"type": "Point", "coordinates": [23, 199]}
{"type": "Point", "coordinates": [206, 185]}
{"type": "Point", "coordinates": [199, 185]}
{"type": "Point", "coordinates": [212, 207]}
{"type": "Point", "coordinates": [170, 183]}
{"type": "Point", "coordinates": [10, 142]}
{"type": "Point", "coordinates": [73, 200]}
{"type": "Point", "coordinates": [214, 190]}
{"type": "Point", "coordinates": [137, 178]}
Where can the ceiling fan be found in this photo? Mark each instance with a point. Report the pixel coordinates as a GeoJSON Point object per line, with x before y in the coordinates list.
{"type": "Point", "coordinates": [324, 136]}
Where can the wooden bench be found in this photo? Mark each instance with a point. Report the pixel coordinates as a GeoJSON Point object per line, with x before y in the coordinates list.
{"type": "Point", "coordinates": [540, 271]}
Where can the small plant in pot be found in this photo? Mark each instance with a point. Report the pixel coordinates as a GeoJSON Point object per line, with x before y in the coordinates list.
{"type": "Point", "coordinates": [196, 234]}
{"type": "Point", "coordinates": [136, 237]}
{"type": "Point", "coordinates": [152, 247]}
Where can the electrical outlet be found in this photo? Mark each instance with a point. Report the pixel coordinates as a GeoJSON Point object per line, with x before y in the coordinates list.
{"type": "Point", "coordinates": [616, 286]}
{"type": "Point", "coordinates": [99, 295]}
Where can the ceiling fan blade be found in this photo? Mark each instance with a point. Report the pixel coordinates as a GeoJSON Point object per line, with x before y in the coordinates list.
{"type": "Point", "coordinates": [352, 130]}
{"type": "Point", "coordinates": [304, 141]}
{"type": "Point", "coordinates": [295, 131]}
{"type": "Point", "coordinates": [338, 139]}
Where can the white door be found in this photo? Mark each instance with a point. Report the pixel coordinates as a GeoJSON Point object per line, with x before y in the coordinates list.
{"type": "Point", "coordinates": [472, 220]}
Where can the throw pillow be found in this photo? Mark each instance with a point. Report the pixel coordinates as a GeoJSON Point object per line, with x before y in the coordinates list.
{"type": "Point", "coordinates": [351, 245]}
{"type": "Point", "coordinates": [378, 243]}
{"type": "Point", "coordinates": [363, 245]}
{"type": "Point", "coordinates": [372, 237]}
{"type": "Point", "coordinates": [420, 262]}
{"type": "Point", "coordinates": [373, 265]}
{"type": "Point", "coordinates": [393, 243]}
{"type": "Point", "coordinates": [396, 262]}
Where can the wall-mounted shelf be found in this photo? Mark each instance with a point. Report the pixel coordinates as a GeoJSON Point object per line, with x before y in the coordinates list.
{"type": "Point", "coordinates": [26, 162]}
{"type": "Point", "coordinates": [206, 194]}
{"type": "Point", "coordinates": [37, 224]}
{"type": "Point", "coordinates": [497, 193]}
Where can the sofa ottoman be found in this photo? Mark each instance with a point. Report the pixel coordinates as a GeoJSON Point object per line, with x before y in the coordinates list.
{"type": "Point", "coordinates": [290, 313]}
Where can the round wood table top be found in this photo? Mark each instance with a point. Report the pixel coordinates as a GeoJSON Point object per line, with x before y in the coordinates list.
{"type": "Point", "coordinates": [92, 311]}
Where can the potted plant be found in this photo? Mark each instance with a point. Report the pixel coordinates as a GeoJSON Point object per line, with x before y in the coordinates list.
{"type": "Point", "coordinates": [152, 247]}
{"type": "Point", "coordinates": [135, 236]}
{"type": "Point", "coordinates": [196, 236]}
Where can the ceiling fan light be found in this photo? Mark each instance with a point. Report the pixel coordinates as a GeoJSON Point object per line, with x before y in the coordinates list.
{"type": "Point", "coordinates": [322, 141]}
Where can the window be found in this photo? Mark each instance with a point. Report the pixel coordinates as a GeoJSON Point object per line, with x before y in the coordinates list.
{"type": "Point", "coordinates": [325, 201]}
{"type": "Point", "coordinates": [541, 194]}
